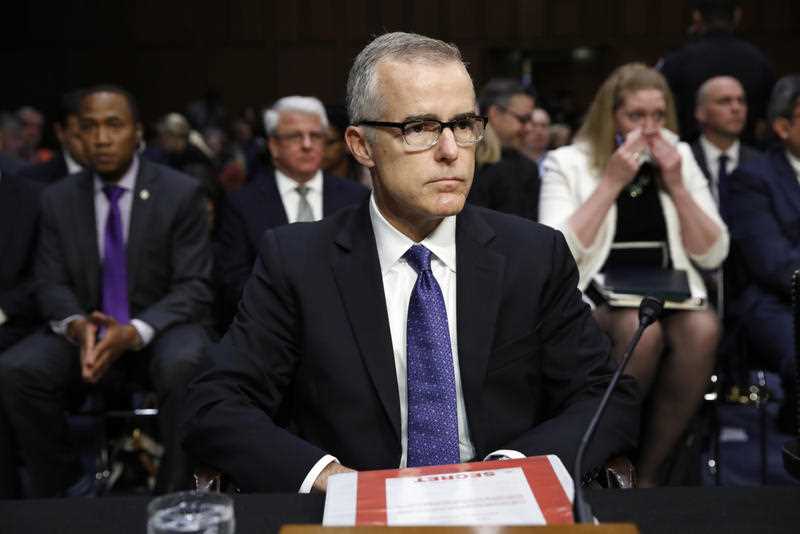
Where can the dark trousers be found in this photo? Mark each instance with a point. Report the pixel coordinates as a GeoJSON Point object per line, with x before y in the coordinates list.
{"type": "Point", "coordinates": [40, 378]}
{"type": "Point", "coordinates": [770, 333]}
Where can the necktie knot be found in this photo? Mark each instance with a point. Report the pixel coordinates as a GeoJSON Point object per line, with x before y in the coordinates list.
{"type": "Point", "coordinates": [113, 192]}
{"type": "Point", "coordinates": [419, 258]}
{"type": "Point", "coordinates": [302, 190]}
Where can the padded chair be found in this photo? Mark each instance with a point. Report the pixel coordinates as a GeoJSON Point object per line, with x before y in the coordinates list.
{"type": "Point", "coordinates": [791, 451]}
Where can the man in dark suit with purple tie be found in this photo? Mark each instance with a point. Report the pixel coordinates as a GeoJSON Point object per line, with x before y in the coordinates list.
{"type": "Point", "coordinates": [410, 329]}
{"type": "Point", "coordinates": [123, 272]}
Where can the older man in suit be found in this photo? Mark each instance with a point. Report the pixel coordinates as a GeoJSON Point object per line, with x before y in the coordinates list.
{"type": "Point", "coordinates": [295, 190]}
{"type": "Point", "coordinates": [764, 203]}
{"type": "Point", "coordinates": [409, 330]}
{"type": "Point", "coordinates": [123, 269]}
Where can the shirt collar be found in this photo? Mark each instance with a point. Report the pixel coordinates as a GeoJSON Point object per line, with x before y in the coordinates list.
{"type": "Point", "coordinates": [128, 180]}
{"type": "Point", "coordinates": [794, 162]}
{"type": "Point", "coordinates": [72, 165]}
{"type": "Point", "coordinates": [286, 184]}
{"type": "Point", "coordinates": [392, 243]}
{"type": "Point", "coordinates": [713, 153]}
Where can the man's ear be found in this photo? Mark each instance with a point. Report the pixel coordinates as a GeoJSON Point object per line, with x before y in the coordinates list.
{"type": "Point", "coordinates": [781, 127]}
{"type": "Point", "coordinates": [700, 114]}
{"type": "Point", "coordinates": [272, 145]}
{"type": "Point", "coordinates": [59, 131]}
{"type": "Point", "coordinates": [357, 142]}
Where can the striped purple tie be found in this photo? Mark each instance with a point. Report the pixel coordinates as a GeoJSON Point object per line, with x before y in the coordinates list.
{"type": "Point", "coordinates": [432, 419]}
{"type": "Point", "coordinates": [115, 263]}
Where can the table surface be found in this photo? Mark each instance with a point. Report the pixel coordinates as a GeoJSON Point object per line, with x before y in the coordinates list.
{"type": "Point", "coordinates": [661, 510]}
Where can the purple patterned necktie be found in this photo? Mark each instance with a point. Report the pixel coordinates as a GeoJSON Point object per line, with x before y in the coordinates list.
{"type": "Point", "coordinates": [115, 266]}
{"type": "Point", "coordinates": [432, 420]}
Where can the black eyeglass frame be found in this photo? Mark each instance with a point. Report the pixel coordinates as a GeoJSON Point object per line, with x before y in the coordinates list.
{"type": "Point", "coordinates": [442, 125]}
{"type": "Point", "coordinates": [521, 117]}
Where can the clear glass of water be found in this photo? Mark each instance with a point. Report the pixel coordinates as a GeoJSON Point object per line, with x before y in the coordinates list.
{"type": "Point", "coordinates": [191, 512]}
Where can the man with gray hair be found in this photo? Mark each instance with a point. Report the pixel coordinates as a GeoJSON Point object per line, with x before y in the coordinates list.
{"type": "Point", "coordinates": [764, 202]}
{"type": "Point", "coordinates": [412, 329]}
{"type": "Point", "coordinates": [295, 190]}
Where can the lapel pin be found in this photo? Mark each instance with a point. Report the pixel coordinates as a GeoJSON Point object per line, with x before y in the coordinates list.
{"type": "Point", "coordinates": [144, 194]}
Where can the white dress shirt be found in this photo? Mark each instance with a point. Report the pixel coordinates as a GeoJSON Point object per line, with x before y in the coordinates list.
{"type": "Point", "coordinates": [712, 154]}
{"type": "Point", "coordinates": [101, 208]}
{"type": "Point", "coordinates": [290, 197]}
{"type": "Point", "coordinates": [398, 282]}
{"type": "Point", "coordinates": [795, 163]}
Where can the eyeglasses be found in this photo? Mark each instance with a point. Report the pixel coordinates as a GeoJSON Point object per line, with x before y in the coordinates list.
{"type": "Point", "coordinates": [424, 133]}
{"type": "Point", "coordinates": [297, 138]}
{"type": "Point", "coordinates": [521, 117]}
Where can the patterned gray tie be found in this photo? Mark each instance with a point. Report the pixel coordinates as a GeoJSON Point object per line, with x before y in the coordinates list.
{"type": "Point", "coordinates": [304, 211]}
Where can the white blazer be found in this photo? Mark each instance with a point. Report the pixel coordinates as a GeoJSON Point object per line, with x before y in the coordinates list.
{"type": "Point", "coordinates": [567, 182]}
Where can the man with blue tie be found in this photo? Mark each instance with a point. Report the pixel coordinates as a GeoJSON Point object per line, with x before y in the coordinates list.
{"type": "Point", "coordinates": [123, 270]}
{"type": "Point", "coordinates": [409, 330]}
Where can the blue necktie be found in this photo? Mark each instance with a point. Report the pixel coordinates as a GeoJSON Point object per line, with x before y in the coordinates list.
{"type": "Point", "coordinates": [722, 181]}
{"type": "Point", "coordinates": [432, 421]}
{"type": "Point", "coordinates": [115, 260]}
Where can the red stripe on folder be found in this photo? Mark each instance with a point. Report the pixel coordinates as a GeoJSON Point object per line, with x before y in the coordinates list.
{"type": "Point", "coordinates": [548, 492]}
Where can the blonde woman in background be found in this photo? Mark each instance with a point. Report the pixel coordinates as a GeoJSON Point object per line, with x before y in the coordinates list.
{"type": "Point", "coordinates": [627, 179]}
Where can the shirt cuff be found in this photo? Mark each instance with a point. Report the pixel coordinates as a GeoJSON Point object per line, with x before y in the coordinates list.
{"type": "Point", "coordinates": [311, 477]}
{"type": "Point", "coordinates": [60, 327]}
{"type": "Point", "coordinates": [3, 317]}
{"type": "Point", "coordinates": [145, 331]}
{"type": "Point", "coordinates": [504, 454]}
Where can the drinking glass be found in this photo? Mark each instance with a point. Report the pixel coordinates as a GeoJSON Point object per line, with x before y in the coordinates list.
{"type": "Point", "coordinates": [191, 512]}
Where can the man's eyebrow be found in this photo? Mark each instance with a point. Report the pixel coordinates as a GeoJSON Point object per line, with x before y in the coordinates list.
{"type": "Point", "coordinates": [431, 116]}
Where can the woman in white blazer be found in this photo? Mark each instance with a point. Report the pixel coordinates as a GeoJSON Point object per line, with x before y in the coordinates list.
{"type": "Point", "coordinates": [627, 179]}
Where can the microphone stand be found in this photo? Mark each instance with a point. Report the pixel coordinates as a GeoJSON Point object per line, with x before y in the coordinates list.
{"type": "Point", "coordinates": [649, 310]}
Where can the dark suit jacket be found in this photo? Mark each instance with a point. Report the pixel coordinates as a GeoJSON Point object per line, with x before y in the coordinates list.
{"type": "Point", "coordinates": [746, 153]}
{"type": "Point", "coordinates": [716, 54]}
{"type": "Point", "coordinates": [307, 367]}
{"type": "Point", "coordinates": [764, 221]}
{"type": "Point", "coordinates": [255, 208]}
{"type": "Point", "coordinates": [511, 185]}
{"type": "Point", "coordinates": [169, 256]}
{"type": "Point", "coordinates": [10, 165]}
{"type": "Point", "coordinates": [19, 217]}
{"type": "Point", "coordinates": [49, 171]}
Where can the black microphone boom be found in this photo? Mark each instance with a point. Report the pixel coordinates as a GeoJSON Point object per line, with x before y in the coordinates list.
{"type": "Point", "coordinates": [649, 310]}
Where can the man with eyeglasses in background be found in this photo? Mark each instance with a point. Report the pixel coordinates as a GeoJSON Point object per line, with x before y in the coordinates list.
{"type": "Point", "coordinates": [410, 330]}
{"type": "Point", "coordinates": [510, 185]}
{"type": "Point", "coordinates": [295, 190]}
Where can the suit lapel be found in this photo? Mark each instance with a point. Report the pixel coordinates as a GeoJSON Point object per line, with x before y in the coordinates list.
{"type": "Point", "coordinates": [358, 277]}
{"type": "Point", "coordinates": [479, 273]}
{"type": "Point", "coordinates": [86, 233]}
{"type": "Point", "coordinates": [9, 193]}
{"type": "Point", "coordinates": [274, 212]}
{"type": "Point", "coordinates": [786, 178]}
{"type": "Point", "coordinates": [145, 195]}
{"type": "Point", "coordinates": [700, 156]}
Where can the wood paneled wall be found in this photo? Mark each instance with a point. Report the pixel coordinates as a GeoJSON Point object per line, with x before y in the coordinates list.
{"type": "Point", "coordinates": [170, 52]}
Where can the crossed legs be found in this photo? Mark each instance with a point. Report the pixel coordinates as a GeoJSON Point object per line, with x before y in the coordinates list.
{"type": "Point", "coordinates": [675, 379]}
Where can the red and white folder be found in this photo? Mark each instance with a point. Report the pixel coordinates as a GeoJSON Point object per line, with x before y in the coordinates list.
{"type": "Point", "coordinates": [532, 491]}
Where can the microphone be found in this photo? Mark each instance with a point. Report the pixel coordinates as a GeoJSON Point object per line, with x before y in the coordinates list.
{"type": "Point", "coordinates": [649, 311]}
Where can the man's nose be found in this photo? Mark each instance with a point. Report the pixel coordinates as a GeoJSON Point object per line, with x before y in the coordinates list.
{"type": "Point", "coordinates": [446, 146]}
